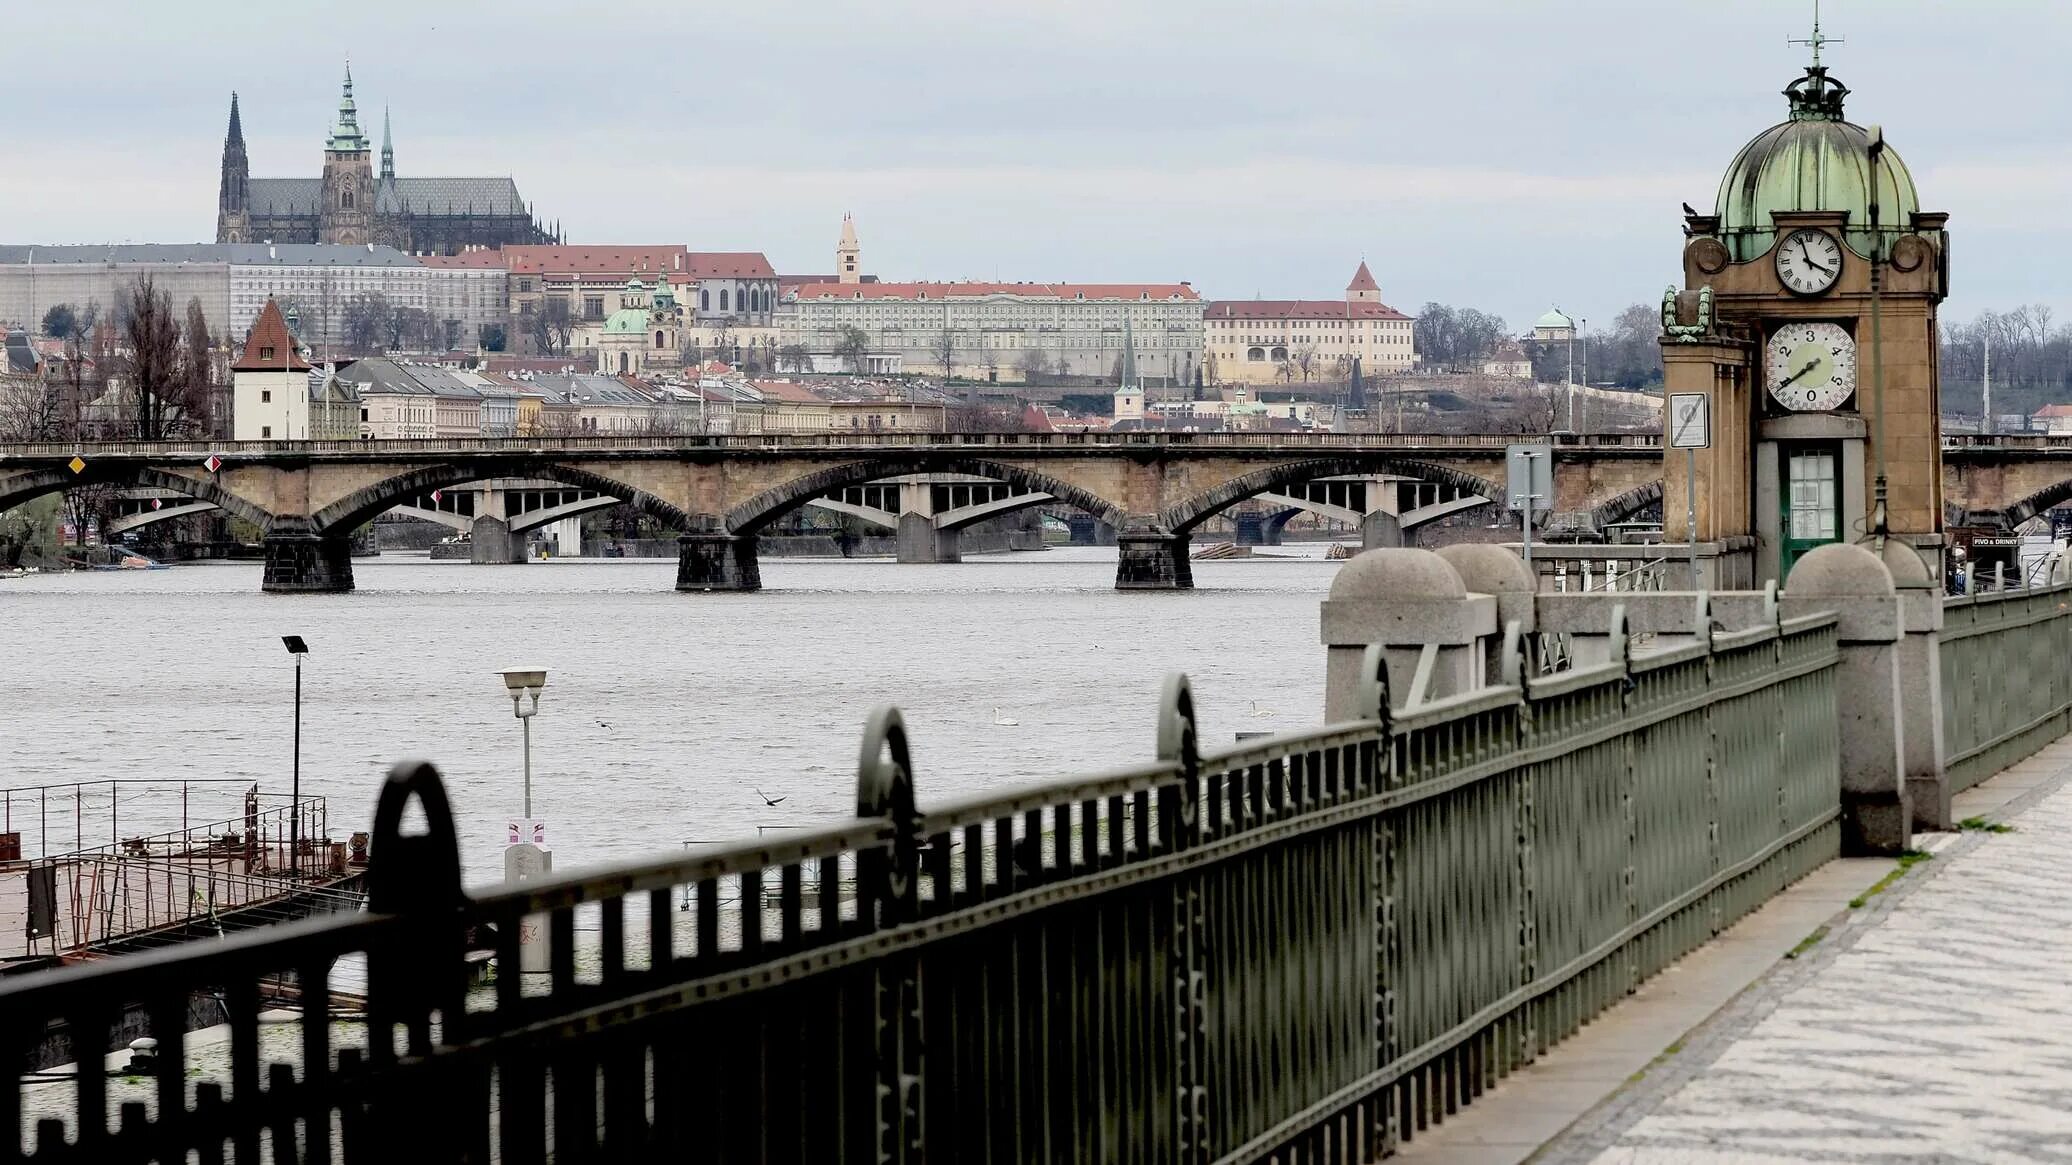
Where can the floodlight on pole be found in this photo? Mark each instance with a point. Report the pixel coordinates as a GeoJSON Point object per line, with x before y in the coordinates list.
{"type": "Point", "coordinates": [524, 682]}
{"type": "Point", "coordinates": [297, 648]}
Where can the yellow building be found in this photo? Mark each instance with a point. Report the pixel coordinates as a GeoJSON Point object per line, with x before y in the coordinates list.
{"type": "Point", "coordinates": [1295, 341]}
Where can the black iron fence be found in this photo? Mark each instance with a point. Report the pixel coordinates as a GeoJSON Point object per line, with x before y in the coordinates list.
{"type": "Point", "coordinates": [1306, 948]}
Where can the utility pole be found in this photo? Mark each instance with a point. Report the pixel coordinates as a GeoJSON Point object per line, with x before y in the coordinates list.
{"type": "Point", "coordinates": [1985, 422]}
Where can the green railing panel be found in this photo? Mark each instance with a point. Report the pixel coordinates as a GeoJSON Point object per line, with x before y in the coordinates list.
{"type": "Point", "coordinates": [2005, 687]}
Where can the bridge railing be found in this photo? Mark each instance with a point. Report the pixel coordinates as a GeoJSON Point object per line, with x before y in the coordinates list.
{"type": "Point", "coordinates": [2006, 690]}
{"type": "Point", "coordinates": [1312, 945]}
{"type": "Point", "coordinates": [201, 449]}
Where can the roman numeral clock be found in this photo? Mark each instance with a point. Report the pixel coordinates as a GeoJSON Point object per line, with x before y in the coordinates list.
{"type": "Point", "coordinates": [1817, 249]}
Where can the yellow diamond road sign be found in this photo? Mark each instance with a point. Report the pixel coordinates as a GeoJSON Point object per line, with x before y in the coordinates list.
{"type": "Point", "coordinates": [77, 464]}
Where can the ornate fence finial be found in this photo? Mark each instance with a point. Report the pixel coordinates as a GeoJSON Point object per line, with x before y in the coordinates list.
{"type": "Point", "coordinates": [885, 788]}
{"type": "Point", "coordinates": [1179, 745]}
{"type": "Point", "coordinates": [410, 872]}
{"type": "Point", "coordinates": [1618, 644]}
{"type": "Point", "coordinates": [1773, 612]}
{"type": "Point", "coordinates": [1702, 618]}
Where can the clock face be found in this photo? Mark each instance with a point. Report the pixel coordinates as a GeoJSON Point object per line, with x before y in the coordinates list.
{"type": "Point", "coordinates": [1809, 261]}
{"type": "Point", "coordinates": [1810, 367]}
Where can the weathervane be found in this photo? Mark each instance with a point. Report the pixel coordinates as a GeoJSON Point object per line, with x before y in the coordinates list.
{"type": "Point", "coordinates": [1818, 41]}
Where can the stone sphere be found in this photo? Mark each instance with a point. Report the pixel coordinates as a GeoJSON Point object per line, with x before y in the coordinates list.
{"type": "Point", "coordinates": [1397, 572]}
{"type": "Point", "coordinates": [1488, 569]}
{"type": "Point", "coordinates": [1904, 562]}
{"type": "Point", "coordinates": [1839, 568]}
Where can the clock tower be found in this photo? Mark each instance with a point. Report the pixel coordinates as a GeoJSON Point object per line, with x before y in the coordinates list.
{"type": "Point", "coordinates": [1808, 317]}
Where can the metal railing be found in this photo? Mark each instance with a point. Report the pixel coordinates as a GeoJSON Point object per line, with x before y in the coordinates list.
{"type": "Point", "coordinates": [1308, 947]}
{"type": "Point", "coordinates": [2006, 691]}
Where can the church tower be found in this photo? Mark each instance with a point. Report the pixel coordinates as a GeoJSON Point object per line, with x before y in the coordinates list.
{"type": "Point", "coordinates": [233, 205]}
{"type": "Point", "coordinates": [1363, 289]}
{"type": "Point", "coordinates": [348, 183]}
{"type": "Point", "coordinates": [848, 259]}
{"type": "Point", "coordinates": [1805, 333]}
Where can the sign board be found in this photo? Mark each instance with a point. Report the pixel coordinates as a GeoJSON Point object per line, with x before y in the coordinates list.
{"type": "Point", "coordinates": [1529, 475]}
{"type": "Point", "coordinates": [1690, 420]}
{"type": "Point", "coordinates": [532, 831]}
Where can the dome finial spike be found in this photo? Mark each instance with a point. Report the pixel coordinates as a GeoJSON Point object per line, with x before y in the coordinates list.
{"type": "Point", "coordinates": [1818, 41]}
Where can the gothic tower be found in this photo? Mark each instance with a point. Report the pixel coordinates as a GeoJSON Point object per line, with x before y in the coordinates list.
{"type": "Point", "coordinates": [233, 208]}
{"type": "Point", "coordinates": [348, 183]}
{"type": "Point", "coordinates": [848, 258]}
{"type": "Point", "coordinates": [1363, 289]}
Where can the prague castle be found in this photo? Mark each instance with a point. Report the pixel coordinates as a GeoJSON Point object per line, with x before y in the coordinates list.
{"type": "Point", "coordinates": [353, 204]}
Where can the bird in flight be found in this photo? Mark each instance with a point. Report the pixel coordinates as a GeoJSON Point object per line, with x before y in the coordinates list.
{"type": "Point", "coordinates": [769, 800]}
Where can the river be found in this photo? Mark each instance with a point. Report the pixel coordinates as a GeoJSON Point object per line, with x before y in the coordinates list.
{"type": "Point", "coordinates": [664, 712]}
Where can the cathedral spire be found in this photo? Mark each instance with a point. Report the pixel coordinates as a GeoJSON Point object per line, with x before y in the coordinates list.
{"type": "Point", "coordinates": [346, 137]}
{"type": "Point", "coordinates": [388, 150]}
{"type": "Point", "coordinates": [233, 218]}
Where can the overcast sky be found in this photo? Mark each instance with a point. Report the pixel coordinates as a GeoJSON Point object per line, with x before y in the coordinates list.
{"type": "Point", "coordinates": [1504, 154]}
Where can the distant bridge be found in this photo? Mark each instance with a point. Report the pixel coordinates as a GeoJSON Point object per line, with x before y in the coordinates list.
{"type": "Point", "coordinates": [1154, 489]}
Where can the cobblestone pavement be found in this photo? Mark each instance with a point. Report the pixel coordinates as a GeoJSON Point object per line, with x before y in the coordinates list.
{"type": "Point", "coordinates": [1935, 1024]}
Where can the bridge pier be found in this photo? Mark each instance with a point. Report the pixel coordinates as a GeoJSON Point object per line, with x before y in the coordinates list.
{"type": "Point", "coordinates": [1380, 529]}
{"type": "Point", "coordinates": [490, 541]}
{"type": "Point", "coordinates": [1256, 529]}
{"type": "Point", "coordinates": [1152, 560]}
{"type": "Point", "coordinates": [717, 562]}
{"type": "Point", "coordinates": [1088, 530]}
{"type": "Point", "coordinates": [920, 540]}
{"type": "Point", "coordinates": [301, 561]}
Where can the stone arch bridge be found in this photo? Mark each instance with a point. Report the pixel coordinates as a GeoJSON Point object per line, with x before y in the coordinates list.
{"type": "Point", "coordinates": [1155, 489]}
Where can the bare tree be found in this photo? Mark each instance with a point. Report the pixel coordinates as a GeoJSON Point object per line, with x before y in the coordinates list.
{"type": "Point", "coordinates": [552, 326]}
{"type": "Point", "coordinates": [944, 350]}
{"type": "Point", "coordinates": [723, 340]}
{"type": "Point", "coordinates": [854, 346]}
{"type": "Point", "coordinates": [197, 366]}
{"type": "Point", "coordinates": [795, 357]}
{"type": "Point", "coordinates": [1034, 365]}
{"type": "Point", "coordinates": [367, 321]}
{"type": "Point", "coordinates": [152, 333]}
{"type": "Point", "coordinates": [1304, 357]}
{"type": "Point", "coordinates": [30, 408]}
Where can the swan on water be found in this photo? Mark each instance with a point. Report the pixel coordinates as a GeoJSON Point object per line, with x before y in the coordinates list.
{"type": "Point", "coordinates": [1004, 721]}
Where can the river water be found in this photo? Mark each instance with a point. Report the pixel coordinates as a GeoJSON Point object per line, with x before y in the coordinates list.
{"type": "Point", "coordinates": [664, 712]}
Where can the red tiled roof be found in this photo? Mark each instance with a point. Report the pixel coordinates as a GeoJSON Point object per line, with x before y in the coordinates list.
{"type": "Point", "coordinates": [547, 259]}
{"type": "Point", "coordinates": [484, 258]}
{"type": "Point", "coordinates": [917, 291]}
{"type": "Point", "coordinates": [786, 390]}
{"type": "Point", "coordinates": [2053, 411]}
{"type": "Point", "coordinates": [1363, 280]}
{"type": "Point", "coordinates": [728, 264]}
{"type": "Point", "coordinates": [1299, 309]}
{"type": "Point", "coordinates": [270, 333]}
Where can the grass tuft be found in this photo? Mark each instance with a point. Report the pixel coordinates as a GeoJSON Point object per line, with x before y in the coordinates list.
{"type": "Point", "coordinates": [1981, 825]}
{"type": "Point", "coordinates": [1907, 860]}
{"type": "Point", "coordinates": [1808, 943]}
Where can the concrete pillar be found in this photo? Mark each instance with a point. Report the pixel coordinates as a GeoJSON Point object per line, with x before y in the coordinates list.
{"type": "Point", "coordinates": [1920, 684]}
{"type": "Point", "coordinates": [567, 537]}
{"type": "Point", "coordinates": [1380, 529]}
{"type": "Point", "coordinates": [717, 562]}
{"type": "Point", "coordinates": [1414, 604]}
{"type": "Point", "coordinates": [1152, 560]}
{"type": "Point", "coordinates": [301, 561]}
{"type": "Point", "coordinates": [1850, 581]}
{"type": "Point", "coordinates": [920, 540]}
{"type": "Point", "coordinates": [490, 540]}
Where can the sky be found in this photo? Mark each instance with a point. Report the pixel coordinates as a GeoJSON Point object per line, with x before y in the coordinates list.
{"type": "Point", "coordinates": [1500, 154]}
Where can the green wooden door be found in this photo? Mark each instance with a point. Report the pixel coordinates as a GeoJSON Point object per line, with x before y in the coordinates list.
{"type": "Point", "coordinates": [1811, 499]}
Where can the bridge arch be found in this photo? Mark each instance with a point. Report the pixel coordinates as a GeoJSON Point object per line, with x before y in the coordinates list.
{"type": "Point", "coordinates": [2021, 510]}
{"type": "Point", "coordinates": [349, 512]}
{"type": "Point", "coordinates": [766, 507]}
{"type": "Point", "coordinates": [32, 485]}
{"type": "Point", "coordinates": [1627, 504]}
{"type": "Point", "coordinates": [1186, 515]}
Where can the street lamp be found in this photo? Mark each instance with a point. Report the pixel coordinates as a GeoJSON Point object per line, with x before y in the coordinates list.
{"type": "Point", "coordinates": [297, 648]}
{"type": "Point", "coordinates": [523, 682]}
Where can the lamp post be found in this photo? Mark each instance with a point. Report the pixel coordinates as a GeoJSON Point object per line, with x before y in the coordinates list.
{"type": "Point", "coordinates": [297, 648]}
{"type": "Point", "coordinates": [523, 682]}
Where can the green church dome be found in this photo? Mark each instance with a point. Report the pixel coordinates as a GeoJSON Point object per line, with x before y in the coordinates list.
{"type": "Point", "coordinates": [625, 321]}
{"type": "Point", "coordinates": [1813, 161]}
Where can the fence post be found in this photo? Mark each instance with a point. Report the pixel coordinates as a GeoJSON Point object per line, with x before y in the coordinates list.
{"type": "Point", "coordinates": [1854, 583]}
{"type": "Point", "coordinates": [889, 889]}
{"type": "Point", "coordinates": [1920, 685]}
{"type": "Point", "coordinates": [1180, 824]}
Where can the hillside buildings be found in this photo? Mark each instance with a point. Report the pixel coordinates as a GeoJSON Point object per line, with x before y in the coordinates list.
{"type": "Point", "coordinates": [1287, 341]}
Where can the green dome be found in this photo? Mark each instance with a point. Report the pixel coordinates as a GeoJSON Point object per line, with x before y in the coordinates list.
{"type": "Point", "coordinates": [626, 321]}
{"type": "Point", "coordinates": [1814, 161]}
{"type": "Point", "coordinates": [1553, 319]}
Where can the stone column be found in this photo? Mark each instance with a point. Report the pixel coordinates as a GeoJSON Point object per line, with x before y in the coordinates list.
{"type": "Point", "coordinates": [1850, 581]}
{"type": "Point", "coordinates": [1414, 604]}
{"type": "Point", "coordinates": [1920, 684]}
{"type": "Point", "coordinates": [1487, 569]}
{"type": "Point", "coordinates": [717, 561]}
{"type": "Point", "coordinates": [1150, 559]}
{"type": "Point", "coordinates": [919, 539]}
{"type": "Point", "coordinates": [1381, 529]}
{"type": "Point", "coordinates": [299, 560]}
